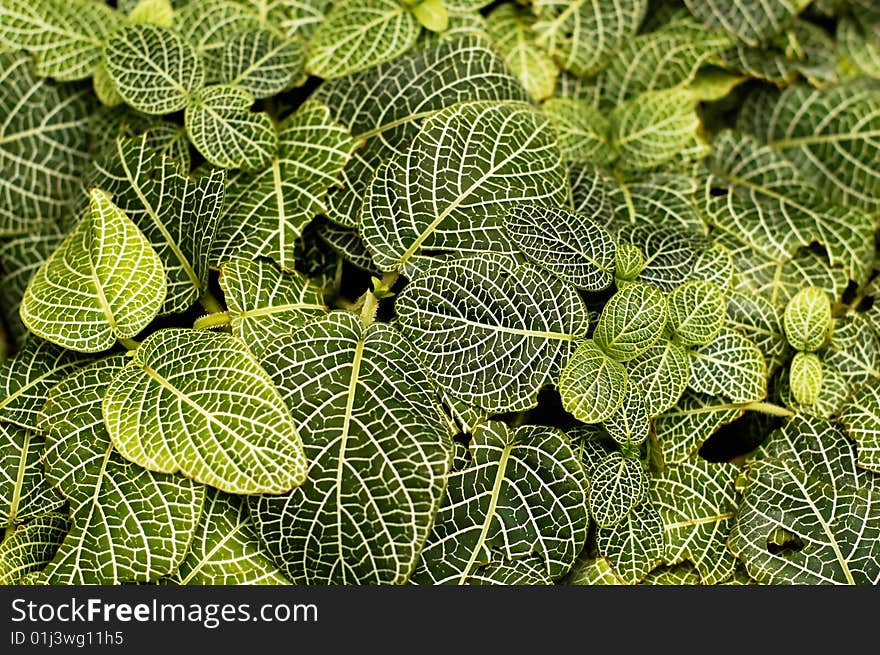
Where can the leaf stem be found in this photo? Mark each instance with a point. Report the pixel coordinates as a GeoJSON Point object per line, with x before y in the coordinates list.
{"type": "Point", "coordinates": [130, 344]}
{"type": "Point", "coordinates": [369, 309]}
{"type": "Point", "coordinates": [767, 408]}
{"type": "Point", "coordinates": [210, 303]}
{"type": "Point", "coordinates": [211, 321]}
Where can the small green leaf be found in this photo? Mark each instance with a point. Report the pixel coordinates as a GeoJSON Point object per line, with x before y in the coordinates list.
{"type": "Point", "coordinates": [628, 262]}
{"type": "Point", "coordinates": [697, 310]}
{"type": "Point", "coordinates": [261, 63]}
{"type": "Point", "coordinates": [176, 407]}
{"type": "Point", "coordinates": [617, 485]}
{"type": "Point", "coordinates": [631, 322]}
{"type": "Point", "coordinates": [661, 373]}
{"type": "Point", "coordinates": [104, 282]}
{"type": "Point", "coordinates": [592, 385]}
{"type": "Point", "coordinates": [731, 366]}
{"type": "Point", "coordinates": [209, 26]}
{"type": "Point", "coordinates": [805, 377]}
{"type": "Point", "coordinates": [155, 12]}
{"type": "Point", "coordinates": [808, 319]}
{"type": "Point", "coordinates": [629, 424]}
{"type": "Point", "coordinates": [432, 15]}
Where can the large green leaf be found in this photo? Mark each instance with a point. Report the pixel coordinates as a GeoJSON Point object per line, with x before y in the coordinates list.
{"type": "Point", "coordinates": [178, 406]}
{"type": "Point", "coordinates": [31, 546]}
{"type": "Point", "coordinates": [861, 419]}
{"type": "Point", "coordinates": [176, 212]}
{"type": "Point", "coordinates": [682, 429]}
{"type": "Point", "coordinates": [358, 34]}
{"type": "Point", "coordinates": [631, 322]}
{"type": "Point", "coordinates": [266, 212]}
{"type": "Point", "coordinates": [629, 424]}
{"type": "Point", "coordinates": [25, 493]}
{"type": "Point", "coordinates": [697, 503]}
{"type": "Point", "coordinates": [264, 303]}
{"type": "Point", "coordinates": [635, 545]}
{"type": "Point", "coordinates": [751, 22]}
{"type": "Point", "coordinates": [127, 524]}
{"type": "Point", "coordinates": [491, 331]}
{"type": "Point", "coordinates": [103, 283]}
{"type": "Point", "coordinates": [225, 549]}
{"type": "Point", "coordinates": [262, 63]}
{"type": "Point", "coordinates": [384, 106]}
{"type": "Point", "coordinates": [581, 35]}
{"type": "Point", "coordinates": [222, 127]}
{"type": "Point", "coordinates": [570, 245]}
{"type": "Point", "coordinates": [804, 484]}
{"type": "Point", "coordinates": [43, 149]}
{"type": "Point", "coordinates": [524, 494]}
{"type": "Point", "coordinates": [64, 36]}
{"type": "Point", "coordinates": [661, 374]}
{"type": "Point", "coordinates": [450, 190]}
{"type": "Point", "coordinates": [617, 485]}
{"type": "Point", "coordinates": [592, 385]}
{"type": "Point", "coordinates": [378, 446]}
{"type": "Point", "coordinates": [510, 29]}
{"type": "Point", "coordinates": [154, 70]}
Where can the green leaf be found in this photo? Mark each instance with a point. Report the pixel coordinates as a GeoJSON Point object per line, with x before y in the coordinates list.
{"type": "Point", "coordinates": [209, 26]}
{"type": "Point", "coordinates": [697, 504]}
{"type": "Point", "coordinates": [104, 283]}
{"type": "Point", "coordinates": [358, 34]}
{"type": "Point", "coordinates": [264, 303]}
{"type": "Point", "coordinates": [572, 246]}
{"type": "Point", "coordinates": [661, 373]}
{"type": "Point", "coordinates": [432, 15]}
{"type": "Point", "coordinates": [176, 212]}
{"type": "Point", "coordinates": [617, 485]}
{"type": "Point", "coordinates": [628, 262]}
{"type": "Point", "coordinates": [492, 332]}
{"type": "Point", "coordinates": [582, 35]}
{"type": "Point", "coordinates": [43, 149]}
{"type": "Point", "coordinates": [266, 212]}
{"type": "Point", "coordinates": [450, 191]}
{"type": "Point", "coordinates": [804, 483]}
{"type": "Point", "coordinates": [669, 251]}
{"type": "Point", "coordinates": [378, 446]}
{"type": "Point", "coordinates": [225, 549]}
{"type": "Point", "coordinates": [26, 379]}
{"type": "Point", "coordinates": [347, 243]}
{"type": "Point", "coordinates": [592, 385]}
{"type": "Point", "coordinates": [31, 546]}
{"type": "Point", "coordinates": [583, 132]}
{"type": "Point", "coordinates": [805, 377]}
{"type": "Point", "coordinates": [153, 68]}
{"type": "Point", "coordinates": [25, 493]}
{"type": "Point", "coordinates": [261, 63]}
{"type": "Point", "coordinates": [629, 424]}
{"type": "Point", "coordinates": [524, 494]}
{"type": "Point", "coordinates": [697, 310]}
{"type": "Point", "coordinates": [808, 319]}
{"type": "Point", "coordinates": [64, 36]}
{"type": "Point", "coordinates": [752, 23]}
{"type": "Point", "coordinates": [177, 407]}
{"type": "Point", "coordinates": [127, 524]}
{"type": "Point", "coordinates": [383, 107]}
{"type": "Point", "coordinates": [222, 127]}
{"type": "Point", "coordinates": [662, 199]}
{"type": "Point", "coordinates": [859, 43]}
{"type": "Point", "coordinates": [631, 322]}
{"type": "Point", "coordinates": [635, 545]}
{"type": "Point", "coordinates": [682, 429]}
{"type": "Point", "coordinates": [731, 366]}
{"type": "Point", "coordinates": [510, 29]}
{"type": "Point", "coordinates": [759, 320]}
{"type": "Point", "coordinates": [157, 12]}
{"type": "Point", "coordinates": [861, 420]}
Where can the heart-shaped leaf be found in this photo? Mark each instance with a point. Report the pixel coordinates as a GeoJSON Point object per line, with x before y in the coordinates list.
{"type": "Point", "coordinates": [592, 385]}
{"type": "Point", "coordinates": [635, 545]}
{"type": "Point", "coordinates": [631, 322]}
{"type": "Point", "coordinates": [807, 319]}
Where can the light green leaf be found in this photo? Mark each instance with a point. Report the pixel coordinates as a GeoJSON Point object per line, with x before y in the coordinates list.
{"type": "Point", "coordinates": [176, 212]}
{"type": "Point", "coordinates": [805, 377]}
{"type": "Point", "coordinates": [631, 322]}
{"type": "Point", "coordinates": [629, 424]}
{"type": "Point", "coordinates": [450, 191]}
{"type": "Point", "coordinates": [684, 428]}
{"type": "Point", "coordinates": [570, 245]}
{"type": "Point", "coordinates": [804, 483]}
{"type": "Point", "coordinates": [153, 68]}
{"type": "Point", "coordinates": [697, 310]}
{"type": "Point", "coordinates": [264, 303]}
{"type": "Point", "coordinates": [64, 36]}
{"type": "Point", "coordinates": [635, 545]}
{"type": "Point", "coordinates": [752, 23]}
{"type": "Point", "coordinates": [261, 63]}
{"type": "Point", "coordinates": [510, 29]}
{"type": "Point", "coordinates": [491, 331]}
{"type": "Point", "coordinates": [43, 149]}
{"type": "Point", "coordinates": [697, 503]}
{"type": "Point", "coordinates": [358, 34]}
{"type": "Point", "coordinates": [25, 493]}
{"type": "Point", "coordinates": [177, 407]}
{"type": "Point", "coordinates": [628, 263]}
{"type": "Point", "coordinates": [266, 212]}
{"type": "Point", "coordinates": [592, 385]}
{"type": "Point", "coordinates": [157, 12]}
{"type": "Point", "coordinates": [104, 283]}
{"type": "Point", "coordinates": [222, 127]}
{"type": "Point", "coordinates": [861, 420]}
{"type": "Point", "coordinates": [859, 42]}
{"type": "Point", "coordinates": [617, 485]}
{"type": "Point", "coordinates": [105, 88]}
{"type": "Point", "coordinates": [807, 319]}
{"type": "Point", "coordinates": [581, 35]}
{"type": "Point", "coordinates": [379, 449]}
{"type": "Point", "coordinates": [583, 132]}
{"type": "Point", "coordinates": [383, 107]}
{"type": "Point", "coordinates": [209, 25]}
{"type": "Point", "coordinates": [731, 366]}
{"type": "Point", "coordinates": [225, 549]}
{"type": "Point", "coordinates": [431, 14]}
{"type": "Point", "coordinates": [524, 494]}
{"type": "Point", "coordinates": [30, 547]}
{"type": "Point", "coordinates": [127, 524]}
{"type": "Point", "coordinates": [661, 373]}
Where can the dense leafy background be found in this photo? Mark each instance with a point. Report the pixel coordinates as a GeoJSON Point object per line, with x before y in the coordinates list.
{"type": "Point", "coordinates": [439, 291]}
